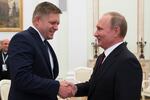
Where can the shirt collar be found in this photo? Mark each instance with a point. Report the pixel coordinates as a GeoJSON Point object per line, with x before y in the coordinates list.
{"type": "Point", "coordinates": [110, 49]}
{"type": "Point", "coordinates": [38, 33]}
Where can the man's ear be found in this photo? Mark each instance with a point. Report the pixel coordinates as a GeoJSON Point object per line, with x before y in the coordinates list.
{"type": "Point", "coordinates": [116, 30]}
{"type": "Point", "coordinates": [36, 19]}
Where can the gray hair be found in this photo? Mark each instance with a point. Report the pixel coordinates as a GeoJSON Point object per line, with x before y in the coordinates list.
{"type": "Point", "coordinates": [118, 20]}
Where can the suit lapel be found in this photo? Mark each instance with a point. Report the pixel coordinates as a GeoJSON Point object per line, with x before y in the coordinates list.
{"type": "Point", "coordinates": [41, 45]}
{"type": "Point", "coordinates": [99, 73]}
{"type": "Point", "coordinates": [111, 57]}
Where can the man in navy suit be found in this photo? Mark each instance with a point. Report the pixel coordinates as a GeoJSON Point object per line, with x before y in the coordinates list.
{"type": "Point", "coordinates": [119, 75]}
{"type": "Point", "coordinates": [32, 60]}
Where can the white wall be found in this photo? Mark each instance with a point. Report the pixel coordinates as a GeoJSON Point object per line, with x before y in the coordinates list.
{"type": "Point", "coordinates": [77, 34]}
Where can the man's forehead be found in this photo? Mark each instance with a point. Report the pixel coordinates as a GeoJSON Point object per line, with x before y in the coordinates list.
{"type": "Point", "coordinates": [5, 41]}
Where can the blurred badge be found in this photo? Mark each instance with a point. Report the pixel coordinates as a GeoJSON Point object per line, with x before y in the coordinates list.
{"type": "Point", "coordinates": [4, 67]}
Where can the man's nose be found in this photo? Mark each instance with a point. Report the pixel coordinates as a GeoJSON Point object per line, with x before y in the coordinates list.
{"type": "Point", "coordinates": [56, 27]}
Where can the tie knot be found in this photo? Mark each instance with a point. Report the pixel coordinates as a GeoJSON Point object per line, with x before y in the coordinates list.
{"type": "Point", "coordinates": [46, 42]}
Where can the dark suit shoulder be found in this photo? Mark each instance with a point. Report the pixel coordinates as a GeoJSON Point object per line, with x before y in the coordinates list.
{"type": "Point", "coordinates": [127, 60]}
{"type": "Point", "coordinates": [124, 57]}
{"type": "Point", "coordinates": [22, 35]}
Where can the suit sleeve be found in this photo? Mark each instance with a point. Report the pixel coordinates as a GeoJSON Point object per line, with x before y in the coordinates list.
{"type": "Point", "coordinates": [128, 80]}
{"type": "Point", "coordinates": [83, 89]}
{"type": "Point", "coordinates": [21, 58]}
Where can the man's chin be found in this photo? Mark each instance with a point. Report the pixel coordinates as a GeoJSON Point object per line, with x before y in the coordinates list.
{"type": "Point", "coordinates": [99, 44]}
{"type": "Point", "coordinates": [4, 50]}
{"type": "Point", "coordinates": [49, 38]}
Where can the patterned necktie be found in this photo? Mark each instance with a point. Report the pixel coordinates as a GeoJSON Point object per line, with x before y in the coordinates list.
{"type": "Point", "coordinates": [101, 58]}
{"type": "Point", "coordinates": [98, 66]}
{"type": "Point", "coordinates": [99, 62]}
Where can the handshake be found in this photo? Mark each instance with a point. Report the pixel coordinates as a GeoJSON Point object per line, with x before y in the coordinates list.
{"type": "Point", "coordinates": [67, 89]}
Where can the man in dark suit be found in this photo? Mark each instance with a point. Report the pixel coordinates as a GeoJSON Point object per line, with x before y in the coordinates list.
{"type": "Point", "coordinates": [32, 60]}
{"type": "Point", "coordinates": [4, 69]}
{"type": "Point", "coordinates": [119, 75]}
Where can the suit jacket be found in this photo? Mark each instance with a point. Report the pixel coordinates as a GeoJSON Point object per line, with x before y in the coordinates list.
{"type": "Point", "coordinates": [30, 68]}
{"type": "Point", "coordinates": [3, 74]}
{"type": "Point", "coordinates": [119, 79]}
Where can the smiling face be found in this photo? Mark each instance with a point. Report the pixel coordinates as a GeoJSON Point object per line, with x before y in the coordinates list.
{"type": "Point", "coordinates": [46, 19]}
{"type": "Point", "coordinates": [47, 25]}
{"type": "Point", "coordinates": [106, 34]}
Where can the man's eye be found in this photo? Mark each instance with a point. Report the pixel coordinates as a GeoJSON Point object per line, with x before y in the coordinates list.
{"type": "Point", "coordinates": [99, 29]}
{"type": "Point", "coordinates": [53, 23]}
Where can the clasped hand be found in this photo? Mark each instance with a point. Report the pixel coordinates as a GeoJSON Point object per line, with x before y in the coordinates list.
{"type": "Point", "coordinates": [67, 89]}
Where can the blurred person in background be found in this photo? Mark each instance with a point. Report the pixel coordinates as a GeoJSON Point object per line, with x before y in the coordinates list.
{"type": "Point", "coordinates": [4, 69]}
